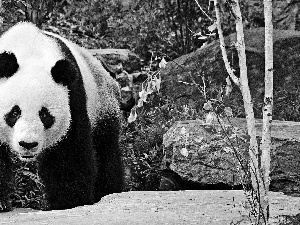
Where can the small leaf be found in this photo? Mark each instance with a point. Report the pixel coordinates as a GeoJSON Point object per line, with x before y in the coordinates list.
{"type": "Point", "coordinates": [207, 106]}
{"type": "Point", "coordinates": [140, 103]}
{"type": "Point", "coordinates": [158, 82]}
{"type": "Point", "coordinates": [23, 13]}
{"type": "Point", "coordinates": [199, 140]}
{"type": "Point", "coordinates": [182, 131]}
{"type": "Point", "coordinates": [184, 152]}
{"type": "Point", "coordinates": [228, 112]}
{"type": "Point", "coordinates": [228, 149]}
{"type": "Point", "coordinates": [151, 87]}
{"type": "Point", "coordinates": [202, 38]}
{"type": "Point", "coordinates": [211, 118]}
{"type": "Point", "coordinates": [228, 87]}
{"type": "Point", "coordinates": [145, 156]}
{"type": "Point", "coordinates": [132, 117]}
{"type": "Point", "coordinates": [127, 88]}
{"type": "Point", "coordinates": [162, 63]}
{"type": "Point", "coordinates": [212, 27]}
{"type": "Point", "coordinates": [143, 95]}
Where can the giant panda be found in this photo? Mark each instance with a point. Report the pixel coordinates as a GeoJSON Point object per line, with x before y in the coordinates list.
{"type": "Point", "coordinates": [59, 108]}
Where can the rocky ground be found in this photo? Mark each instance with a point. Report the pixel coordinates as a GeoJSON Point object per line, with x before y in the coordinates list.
{"type": "Point", "coordinates": [178, 207]}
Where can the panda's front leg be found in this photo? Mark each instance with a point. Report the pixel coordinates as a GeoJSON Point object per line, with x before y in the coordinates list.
{"type": "Point", "coordinates": [6, 181]}
{"type": "Point", "coordinates": [68, 177]}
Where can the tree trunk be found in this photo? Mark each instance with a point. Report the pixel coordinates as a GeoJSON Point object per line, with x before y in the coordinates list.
{"type": "Point", "coordinates": [267, 109]}
{"type": "Point", "coordinates": [256, 177]}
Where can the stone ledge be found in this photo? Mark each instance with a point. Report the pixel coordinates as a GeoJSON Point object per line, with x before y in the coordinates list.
{"type": "Point", "coordinates": [181, 207]}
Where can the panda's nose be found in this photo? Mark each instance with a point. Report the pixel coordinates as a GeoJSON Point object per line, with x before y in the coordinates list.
{"type": "Point", "coordinates": [28, 145]}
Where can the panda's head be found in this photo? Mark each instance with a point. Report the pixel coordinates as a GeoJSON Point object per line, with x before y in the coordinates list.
{"type": "Point", "coordinates": [34, 98]}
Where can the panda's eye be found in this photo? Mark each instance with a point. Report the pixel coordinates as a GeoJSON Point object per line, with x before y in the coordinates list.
{"type": "Point", "coordinates": [12, 117]}
{"type": "Point", "coordinates": [46, 118]}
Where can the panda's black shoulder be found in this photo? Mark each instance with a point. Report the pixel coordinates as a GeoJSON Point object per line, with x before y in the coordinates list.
{"type": "Point", "coordinates": [66, 71]}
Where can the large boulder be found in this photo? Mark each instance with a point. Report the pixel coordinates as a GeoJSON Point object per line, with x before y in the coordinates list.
{"type": "Point", "coordinates": [183, 77]}
{"type": "Point", "coordinates": [205, 153]}
{"type": "Point", "coordinates": [215, 156]}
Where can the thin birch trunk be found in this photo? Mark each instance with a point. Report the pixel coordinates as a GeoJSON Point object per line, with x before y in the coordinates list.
{"type": "Point", "coordinates": [267, 109]}
{"type": "Point", "coordinates": [242, 82]}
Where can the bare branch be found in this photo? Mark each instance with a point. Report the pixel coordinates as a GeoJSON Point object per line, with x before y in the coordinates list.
{"type": "Point", "coordinates": [203, 11]}
{"type": "Point", "coordinates": [230, 71]}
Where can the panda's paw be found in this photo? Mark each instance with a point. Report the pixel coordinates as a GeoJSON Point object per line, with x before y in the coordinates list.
{"type": "Point", "coordinates": [5, 205]}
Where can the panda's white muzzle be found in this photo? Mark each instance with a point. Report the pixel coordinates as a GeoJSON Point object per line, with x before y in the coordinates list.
{"type": "Point", "coordinates": [27, 139]}
{"type": "Point", "coordinates": [28, 149]}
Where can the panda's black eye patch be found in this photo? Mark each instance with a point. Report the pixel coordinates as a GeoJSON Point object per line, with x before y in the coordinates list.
{"type": "Point", "coordinates": [46, 118]}
{"type": "Point", "coordinates": [12, 117]}
{"type": "Point", "coordinates": [8, 64]}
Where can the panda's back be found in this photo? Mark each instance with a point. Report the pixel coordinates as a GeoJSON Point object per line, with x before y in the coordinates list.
{"type": "Point", "coordinates": [107, 88]}
{"type": "Point", "coordinates": [101, 89]}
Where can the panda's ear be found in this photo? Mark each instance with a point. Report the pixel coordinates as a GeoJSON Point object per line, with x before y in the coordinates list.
{"type": "Point", "coordinates": [8, 64]}
{"type": "Point", "coordinates": [63, 72]}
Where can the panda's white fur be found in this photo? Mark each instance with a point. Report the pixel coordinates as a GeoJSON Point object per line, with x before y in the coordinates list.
{"type": "Point", "coordinates": [32, 87]}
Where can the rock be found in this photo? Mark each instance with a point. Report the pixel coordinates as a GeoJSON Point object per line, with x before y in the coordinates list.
{"type": "Point", "coordinates": [127, 99]}
{"type": "Point", "coordinates": [124, 66]}
{"type": "Point", "coordinates": [172, 181]}
{"type": "Point", "coordinates": [200, 152]}
{"type": "Point", "coordinates": [153, 207]}
{"type": "Point", "coordinates": [285, 13]}
{"type": "Point", "coordinates": [139, 77]}
{"type": "Point", "coordinates": [182, 78]}
{"type": "Point", "coordinates": [129, 90]}
{"type": "Point", "coordinates": [124, 79]}
{"type": "Point", "coordinates": [118, 60]}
